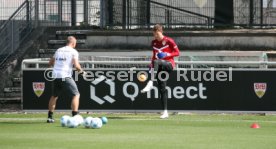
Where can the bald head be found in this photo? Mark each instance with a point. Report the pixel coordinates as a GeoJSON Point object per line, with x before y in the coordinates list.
{"type": "Point", "coordinates": [71, 41]}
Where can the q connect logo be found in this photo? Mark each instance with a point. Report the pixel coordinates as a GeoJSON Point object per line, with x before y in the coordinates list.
{"type": "Point", "coordinates": [112, 90]}
{"type": "Point", "coordinates": [130, 90]}
{"type": "Point", "coordinates": [107, 97]}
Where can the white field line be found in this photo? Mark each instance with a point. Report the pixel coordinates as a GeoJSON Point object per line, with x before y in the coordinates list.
{"type": "Point", "coordinates": [22, 119]}
{"type": "Point", "coordinates": [144, 119]}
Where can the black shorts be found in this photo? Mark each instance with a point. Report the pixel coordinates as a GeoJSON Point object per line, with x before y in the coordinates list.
{"type": "Point", "coordinates": [65, 85]}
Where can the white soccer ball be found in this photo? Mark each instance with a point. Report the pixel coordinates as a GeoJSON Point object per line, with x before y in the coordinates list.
{"type": "Point", "coordinates": [63, 120]}
{"type": "Point", "coordinates": [87, 122]}
{"type": "Point", "coordinates": [79, 119]}
{"type": "Point", "coordinates": [96, 123]}
{"type": "Point", "coordinates": [72, 122]}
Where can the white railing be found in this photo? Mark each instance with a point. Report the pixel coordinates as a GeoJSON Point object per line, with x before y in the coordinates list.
{"type": "Point", "coordinates": [31, 64]}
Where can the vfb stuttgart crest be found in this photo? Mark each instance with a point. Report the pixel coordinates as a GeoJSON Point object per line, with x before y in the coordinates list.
{"type": "Point", "coordinates": [260, 89]}
{"type": "Point", "coordinates": [38, 88]}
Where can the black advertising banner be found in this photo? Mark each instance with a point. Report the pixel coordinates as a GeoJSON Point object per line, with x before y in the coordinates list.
{"type": "Point", "coordinates": [236, 90]}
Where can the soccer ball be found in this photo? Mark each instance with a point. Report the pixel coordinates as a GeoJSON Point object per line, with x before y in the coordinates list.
{"type": "Point", "coordinates": [79, 119]}
{"type": "Point", "coordinates": [142, 77]}
{"type": "Point", "coordinates": [63, 120]}
{"type": "Point", "coordinates": [104, 120]}
{"type": "Point", "coordinates": [87, 122]}
{"type": "Point", "coordinates": [72, 122]}
{"type": "Point", "coordinates": [96, 123]}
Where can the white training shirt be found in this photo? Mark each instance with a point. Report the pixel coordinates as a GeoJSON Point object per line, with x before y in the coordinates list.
{"type": "Point", "coordinates": [64, 62]}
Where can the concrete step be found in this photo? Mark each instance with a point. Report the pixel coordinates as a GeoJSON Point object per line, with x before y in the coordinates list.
{"type": "Point", "coordinates": [74, 32]}
{"type": "Point", "coordinates": [10, 98]}
{"type": "Point", "coordinates": [46, 51]}
{"type": "Point", "coordinates": [79, 34]}
{"type": "Point", "coordinates": [16, 81]}
{"type": "Point", "coordinates": [10, 104]}
{"type": "Point", "coordinates": [11, 92]}
{"type": "Point", "coordinates": [12, 89]}
{"type": "Point", "coordinates": [51, 51]}
{"type": "Point", "coordinates": [12, 95]}
{"type": "Point", "coordinates": [63, 42]}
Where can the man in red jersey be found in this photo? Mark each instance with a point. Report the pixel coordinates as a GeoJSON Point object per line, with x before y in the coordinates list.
{"type": "Point", "coordinates": [164, 51]}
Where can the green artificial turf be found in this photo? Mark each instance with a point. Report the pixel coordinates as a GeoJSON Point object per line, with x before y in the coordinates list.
{"type": "Point", "coordinates": [140, 131]}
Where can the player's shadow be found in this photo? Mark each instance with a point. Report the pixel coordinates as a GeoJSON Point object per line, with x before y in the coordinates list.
{"type": "Point", "coordinates": [119, 118]}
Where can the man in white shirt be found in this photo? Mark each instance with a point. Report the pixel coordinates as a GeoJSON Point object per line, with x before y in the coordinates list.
{"type": "Point", "coordinates": [63, 62]}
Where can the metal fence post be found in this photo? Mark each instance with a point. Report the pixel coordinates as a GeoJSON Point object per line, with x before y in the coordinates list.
{"type": "Point", "coordinates": [103, 13]}
{"type": "Point", "coordinates": [12, 43]}
{"type": "Point", "coordinates": [124, 14]}
{"type": "Point", "coordinates": [148, 14]}
{"type": "Point", "coordinates": [28, 12]}
{"type": "Point", "coordinates": [73, 12]}
{"type": "Point", "coordinates": [128, 14]}
{"type": "Point", "coordinates": [85, 13]}
{"type": "Point", "coordinates": [36, 13]}
{"type": "Point", "coordinates": [251, 13]}
{"type": "Point", "coordinates": [261, 13]}
{"type": "Point", "coordinates": [167, 18]}
{"type": "Point", "coordinates": [110, 13]}
{"type": "Point", "coordinates": [45, 13]}
{"type": "Point", "coordinates": [60, 12]}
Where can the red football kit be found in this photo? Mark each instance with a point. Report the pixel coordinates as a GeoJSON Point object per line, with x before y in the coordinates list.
{"type": "Point", "coordinates": [166, 45]}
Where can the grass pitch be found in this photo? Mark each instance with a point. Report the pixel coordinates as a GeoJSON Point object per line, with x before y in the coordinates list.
{"type": "Point", "coordinates": [141, 131]}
